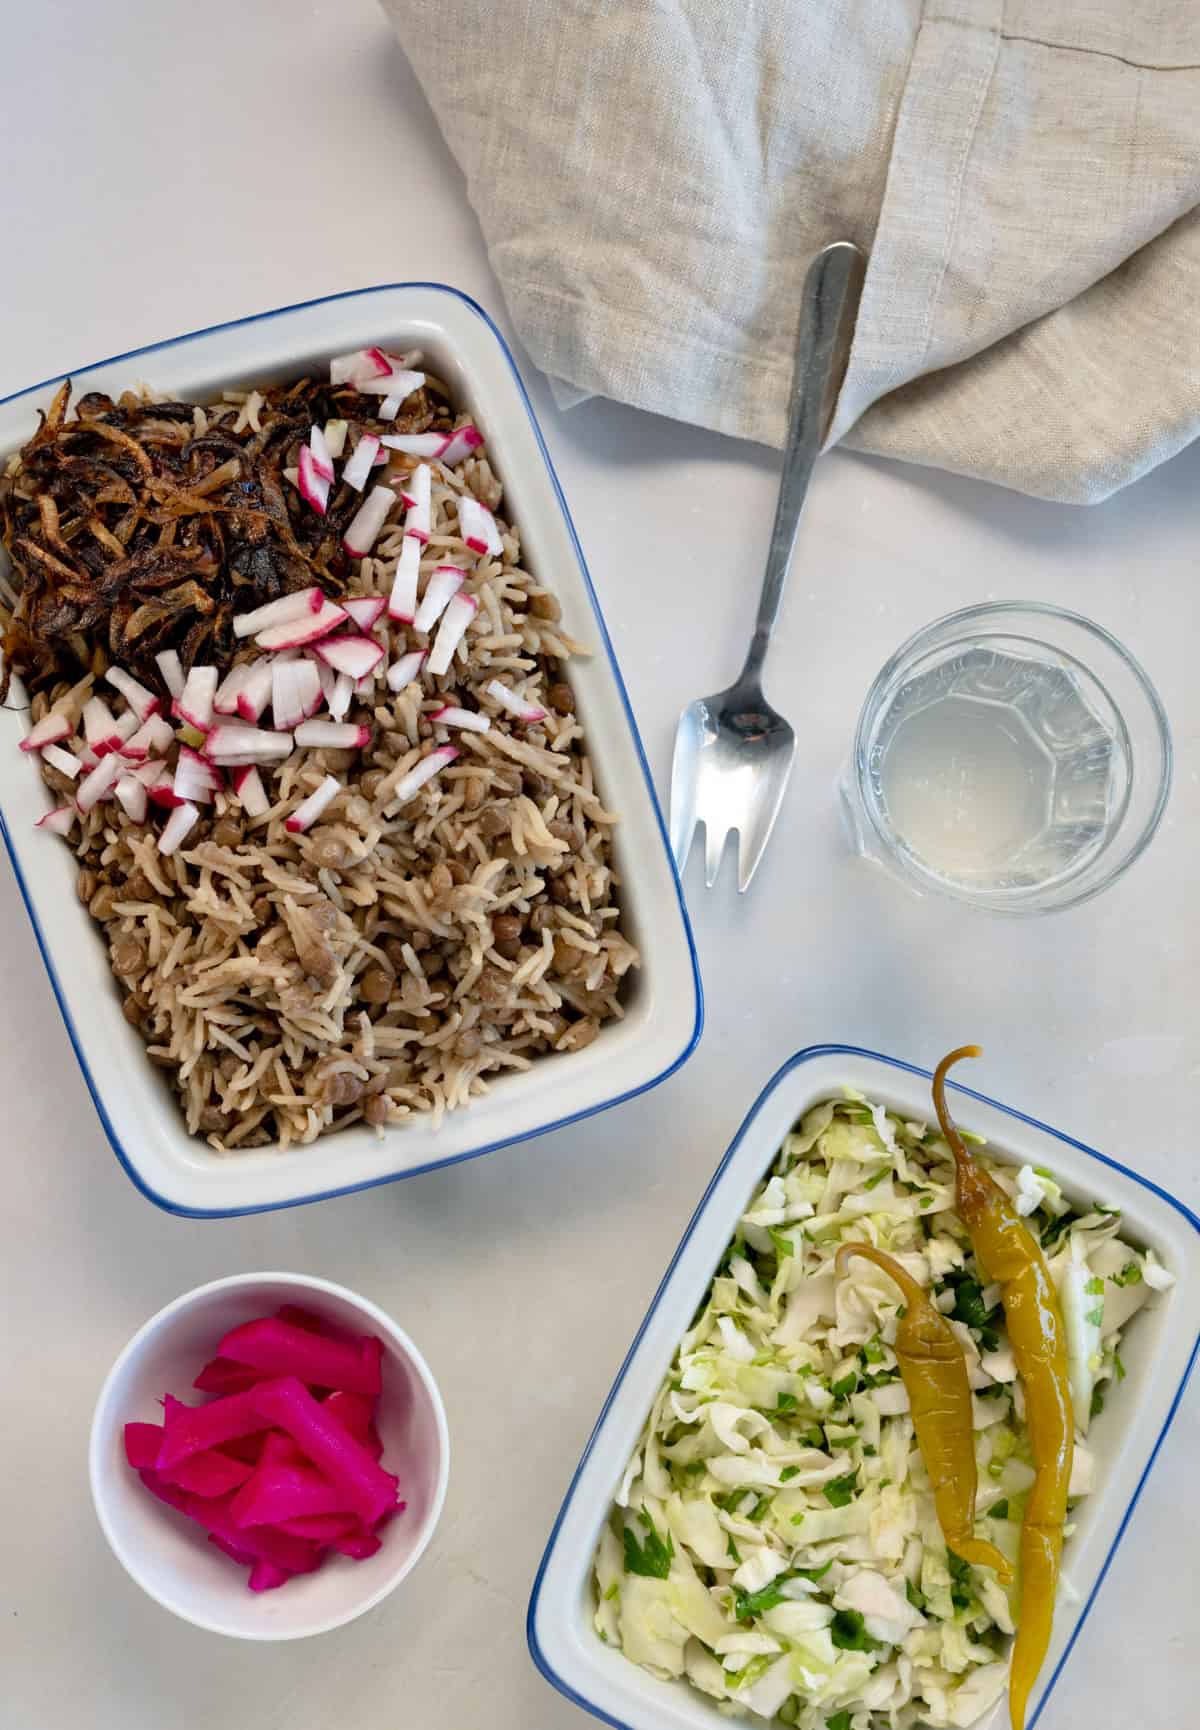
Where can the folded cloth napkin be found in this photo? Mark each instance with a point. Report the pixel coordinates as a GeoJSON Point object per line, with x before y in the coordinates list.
{"type": "Point", "coordinates": [653, 177]}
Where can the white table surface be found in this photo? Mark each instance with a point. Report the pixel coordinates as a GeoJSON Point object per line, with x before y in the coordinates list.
{"type": "Point", "coordinates": [172, 165]}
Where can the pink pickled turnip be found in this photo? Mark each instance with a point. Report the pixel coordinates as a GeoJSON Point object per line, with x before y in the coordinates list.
{"type": "Point", "coordinates": [419, 521]}
{"type": "Point", "coordinates": [178, 827]}
{"type": "Point", "coordinates": [48, 731]}
{"type": "Point", "coordinates": [142, 1442]}
{"type": "Point", "coordinates": [132, 797]}
{"type": "Point", "coordinates": [321, 1528]}
{"type": "Point", "coordinates": [508, 699]}
{"type": "Point", "coordinates": [333, 736]}
{"type": "Point", "coordinates": [66, 763]}
{"type": "Point", "coordinates": [58, 822]}
{"type": "Point", "coordinates": [402, 672]}
{"type": "Point", "coordinates": [357, 1413]}
{"type": "Point", "coordinates": [469, 719]}
{"type": "Point", "coordinates": [402, 604]}
{"type": "Point", "coordinates": [365, 527]}
{"type": "Point", "coordinates": [195, 703]}
{"type": "Point", "coordinates": [424, 771]}
{"type": "Point", "coordinates": [281, 612]}
{"type": "Point", "coordinates": [444, 582]}
{"type": "Point", "coordinates": [453, 628]}
{"type": "Point", "coordinates": [477, 526]}
{"type": "Point", "coordinates": [298, 633]}
{"type": "Point", "coordinates": [143, 702]}
{"type": "Point", "coordinates": [222, 1376]}
{"type": "Point", "coordinates": [171, 668]}
{"type": "Point", "coordinates": [306, 814]}
{"type": "Point", "coordinates": [276, 1347]}
{"type": "Point", "coordinates": [266, 1576]}
{"type": "Point", "coordinates": [460, 444]}
{"type": "Point", "coordinates": [274, 1493]}
{"type": "Point", "coordinates": [364, 610]}
{"type": "Point", "coordinates": [358, 1545]}
{"type": "Point", "coordinates": [210, 1473]}
{"type": "Point", "coordinates": [355, 656]}
{"type": "Point", "coordinates": [189, 1430]}
{"type": "Point", "coordinates": [288, 1405]}
{"type": "Point", "coordinates": [357, 470]}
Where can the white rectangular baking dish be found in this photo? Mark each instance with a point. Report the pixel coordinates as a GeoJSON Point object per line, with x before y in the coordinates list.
{"type": "Point", "coordinates": [1162, 1347]}
{"type": "Point", "coordinates": [664, 1012]}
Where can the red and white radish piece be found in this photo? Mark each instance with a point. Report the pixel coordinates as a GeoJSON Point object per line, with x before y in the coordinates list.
{"type": "Point", "coordinates": [254, 693]}
{"type": "Point", "coordinates": [230, 741]}
{"type": "Point", "coordinates": [419, 496]}
{"type": "Point", "coordinates": [249, 791]}
{"type": "Point", "coordinates": [48, 731]}
{"type": "Point", "coordinates": [195, 777]}
{"type": "Point", "coordinates": [63, 761]}
{"type": "Point", "coordinates": [294, 606]}
{"type": "Point", "coordinates": [416, 444]}
{"type": "Point", "coordinates": [470, 720]}
{"type": "Point", "coordinates": [405, 670]}
{"type": "Point", "coordinates": [99, 727]}
{"type": "Point", "coordinates": [332, 736]}
{"type": "Point", "coordinates": [425, 770]}
{"type": "Point", "coordinates": [401, 383]}
{"type": "Point", "coordinates": [355, 656]}
{"type": "Point", "coordinates": [297, 633]}
{"type": "Point", "coordinates": [358, 469]}
{"type": "Point", "coordinates": [314, 488]}
{"type": "Point", "coordinates": [161, 789]}
{"type": "Point", "coordinates": [295, 692]}
{"type": "Point", "coordinates": [100, 782]}
{"type": "Point", "coordinates": [151, 739]}
{"type": "Point", "coordinates": [444, 583]}
{"type": "Point", "coordinates": [477, 526]}
{"type": "Point", "coordinates": [343, 694]}
{"type": "Point", "coordinates": [132, 797]}
{"type": "Point", "coordinates": [327, 677]}
{"type": "Point", "coordinates": [402, 604]}
{"type": "Point", "coordinates": [389, 408]}
{"type": "Point", "coordinates": [195, 704]}
{"type": "Point", "coordinates": [322, 456]}
{"type": "Point", "coordinates": [335, 438]}
{"type": "Point", "coordinates": [306, 814]}
{"type": "Point", "coordinates": [369, 519]}
{"type": "Point", "coordinates": [171, 668]}
{"type": "Point", "coordinates": [364, 610]}
{"type": "Point", "coordinates": [177, 827]}
{"type": "Point", "coordinates": [521, 707]}
{"type": "Point", "coordinates": [451, 631]}
{"type": "Point", "coordinates": [127, 725]}
{"type": "Point", "coordinates": [59, 822]}
{"type": "Point", "coordinates": [360, 363]}
{"type": "Point", "coordinates": [460, 444]}
{"type": "Point", "coordinates": [225, 700]}
{"type": "Point", "coordinates": [143, 702]}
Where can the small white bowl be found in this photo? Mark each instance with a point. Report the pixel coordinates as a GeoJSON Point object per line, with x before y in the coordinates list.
{"type": "Point", "coordinates": [170, 1557]}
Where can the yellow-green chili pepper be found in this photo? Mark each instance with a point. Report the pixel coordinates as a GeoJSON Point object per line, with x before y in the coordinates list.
{"type": "Point", "coordinates": [1010, 1255]}
{"type": "Point", "coordinates": [933, 1368]}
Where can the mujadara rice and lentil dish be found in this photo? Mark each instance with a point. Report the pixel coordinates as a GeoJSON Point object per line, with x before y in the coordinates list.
{"type": "Point", "coordinates": [306, 720]}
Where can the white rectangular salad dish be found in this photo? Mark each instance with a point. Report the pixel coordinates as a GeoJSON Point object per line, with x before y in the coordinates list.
{"type": "Point", "coordinates": [663, 1016]}
{"type": "Point", "coordinates": [1124, 1439]}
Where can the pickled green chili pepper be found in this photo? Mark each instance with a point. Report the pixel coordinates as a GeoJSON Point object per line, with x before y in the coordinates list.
{"type": "Point", "coordinates": [933, 1368]}
{"type": "Point", "coordinates": [1007, 1250]}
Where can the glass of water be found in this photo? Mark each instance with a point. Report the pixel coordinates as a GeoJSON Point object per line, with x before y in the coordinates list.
{"type": "Point", "coordinates": [1012, 755]}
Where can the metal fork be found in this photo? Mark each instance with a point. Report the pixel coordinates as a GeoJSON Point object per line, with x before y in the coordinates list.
{"type": "Point", "coordinates": [733, 753]}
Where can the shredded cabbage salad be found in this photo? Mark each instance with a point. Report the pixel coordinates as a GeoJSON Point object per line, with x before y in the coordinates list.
{"type": "Point", "coordinates": [774, 1538]}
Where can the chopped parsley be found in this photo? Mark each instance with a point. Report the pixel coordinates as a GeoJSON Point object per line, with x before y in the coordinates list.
{"type": "Point", "coordinates": [1097, 1399]}
{"type": "Point", "coordinates": [873, 1350]}
{"type": "Point", "coordinates": [914, 1595]}
{"type": "Point", "coordinates": [1130, 1274]}
{"type": "Point", "coordinates": [1095, 1287]}
{"type": "Point", "coordinates": [874, 1182]}
{"type": "Point", "coordinates": [783, 1243]}
{"type": "Point", "coordinates": [848, 1632]}
{"type": "Point", "coordinates": [960, 1580]}
{"type": "Point", "coordinates": [839, 1491]}
{"type": "Point", "coordinates": [998, 1510]}
{"type": "Point", "coordinates": [653, 1556]}
{"type": "Point", "coordinates": [760, 1511]}
{"type": "Point", "coordinates": [839, 1721]}
{"type": "Point", "coordinates": [785, 1403]}
{"type": "Point", "coordinates": [612, 1592]}
{"type": "Point", "coordinates": [1095, 1316]}
{"type": "Point", "coordinates": [1118, 1365]}
{"type": "Point", "coordinates": [731, 1549]}
{"type": "Point", "coordinates": [843, 1388]}
{"type": "Point", "coordinates": [788, 1473]}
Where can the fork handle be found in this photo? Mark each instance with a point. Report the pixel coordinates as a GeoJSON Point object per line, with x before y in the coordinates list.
{"type": "Point", "coordinates": [830, 299]}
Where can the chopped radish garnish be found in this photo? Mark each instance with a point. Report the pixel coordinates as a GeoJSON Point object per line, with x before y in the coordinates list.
{"type": "Point", "coordinates": [403, 602]}
{"type": "Point", "coordinates": [343, 693]}
{"type": "Point", "coordinates": [254, 693]}
{"type": "Point", "coordinates": [425, 770]}
{"type": "Point", "coordinates": [363, 532]}
{"type": "Point", "coordinates": [195, 704]}
{"type": "Point", "coordinates": [469, 719]}
{"type": "Point", "coordinates": [132, 798]}
{"type": "Point", "coordinates": [297, 633]}
{"type": "Point", "coordinates": [230, 741]}
{"type": "Point", "coordinates": [195, 777]}
{"type": "Point", "coordinates": [127, 724]}
{"type": "Point", "coordinates": [295, 692]}
{"type": "Point", "coordinates": [359, 364]}
{"type": "Point", "coordinates": [356, 656]}
{"type": "Point", "coordinates": [416, 444]}
{"type": "Point", "coordinates": [59, 822]}
{"type": "Point", "coordinates": [100, 783]}
{"type": "Point", "coordinates": [400, 384]}
{"type": "Point", "coordinates": [389, 408]}
{"type": "Point", "coordinates": [143, 702]}
{"type": "Point", "coordinates": [460, 444]}
{"type": "Point", "coordinates": [314, 488]}
{"type": "Point", "coordinates": [445, 581]}
{"type": "Point", "coordinates": [358, 469]}
{"type": "Point", "coordinates": [294, 606]}
{"type": "Point", "coordinates": [322, 456]}
{"type": "Point", "coordinates": [405, 670]}
{"type": "Point", "coordinates": [151, 739]}
{"type": "Point", "coordinates": [177, 827]}
{"type": "Point", "coordinates": [333, 735]}
{"type": "Point", "coordinates": [335, 437]}
{"type": "Point", "coordinates": [225, 701]}
{"type": "Point", "coordinates": [364, 609]}
{"type": "Point", "coordinates": [161, 790]}
{"type": "Point", "coordinates": [457, 617]}
{"type": "Point", "coordinates": [250, 792]}
{"type": "Point", "coordinates": [47, 731]}
{"type": "Point", "coordinates": [518, 706]}
{"type": "Point", "coordinates": [477, 526]}
{"type": "Point", "coordinates": [171, 668]}
{"type": "Point", "coordinates": [305, 815]}
{"type": "Point", "coordinates": [327, 678]}
{"type": "Point", "coordinates": [62, 760]}
{"type": "Point", "coordinates": [419, 490]}
{"type": "Point", "coordinates": [99, 728]}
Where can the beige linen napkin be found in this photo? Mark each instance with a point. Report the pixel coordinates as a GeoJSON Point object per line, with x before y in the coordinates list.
{"type": "Point", "coordinates": [653, 177]}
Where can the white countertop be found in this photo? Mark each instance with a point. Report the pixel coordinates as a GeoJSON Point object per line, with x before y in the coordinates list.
{"type": "Point", "coordinates": [171, 166]}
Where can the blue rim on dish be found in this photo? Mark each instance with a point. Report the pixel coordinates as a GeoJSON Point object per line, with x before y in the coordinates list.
{"type": "Point", "coordinates": [693, 1039]}
{"type": "Point", "coordinates": [784, 1070]}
